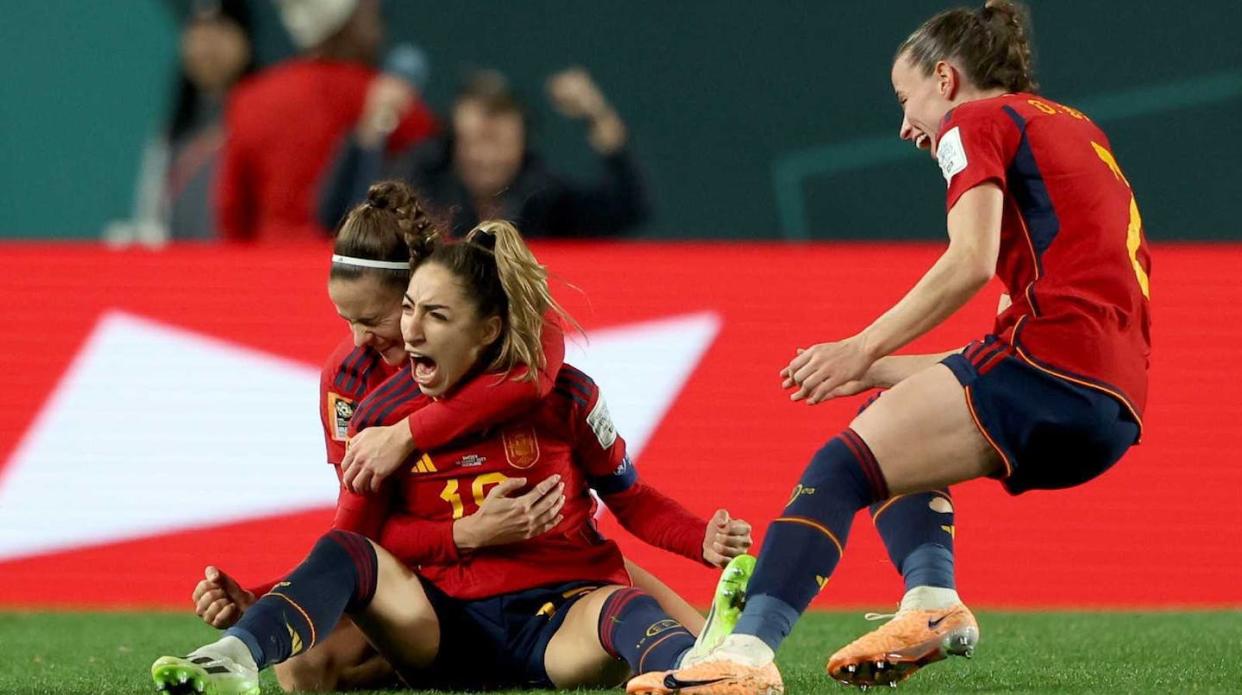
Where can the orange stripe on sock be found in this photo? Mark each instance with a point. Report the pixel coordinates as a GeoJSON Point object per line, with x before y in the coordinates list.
{"type": "Point", "coordinates": [817, 526]}
{"type": "Point", "coordinates": [884, 507]}
{"type": "Point", "coordinates": [305, 617]}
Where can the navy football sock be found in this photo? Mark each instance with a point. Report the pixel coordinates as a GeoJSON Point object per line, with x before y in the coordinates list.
{"type": "Point", "coordinates": [803, 546]}
{"type": "Point", "coordinates": [918, 531]}
{"type": "Point", "coordinates": [338, 575]}
{"type": "Point", "coordinates": [633, 627]}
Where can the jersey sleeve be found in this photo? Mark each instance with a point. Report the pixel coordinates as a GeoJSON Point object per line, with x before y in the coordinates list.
{"type": "Point", "coordinates": [488, 399]}
{"type": "Point", "coordinates": [976, 145]}
{"type": "Point", "coordinates": [332, 407]}
{"type": "Point", "coordinates": [418, 541]}
{"type": "Point", "coordinates": [598, 450]}
{"type": "Point", "coordinates": [652, 516]}
{"type": "Point", "coordinates": [362, 514]}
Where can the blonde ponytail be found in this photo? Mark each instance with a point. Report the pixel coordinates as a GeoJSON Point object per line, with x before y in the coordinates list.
{"type": "Point", "coordinates": [525, 284]}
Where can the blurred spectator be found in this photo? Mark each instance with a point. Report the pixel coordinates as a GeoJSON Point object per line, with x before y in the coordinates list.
{"type": "Point", "coordinates": [484, 168]}
{"type": "Point", "coordinates": [173, 196]}
{"type": "Point", "coordinates": [284, 123]}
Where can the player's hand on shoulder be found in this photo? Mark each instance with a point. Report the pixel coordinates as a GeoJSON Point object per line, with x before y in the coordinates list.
{"type": "Point", "coordinates": [219, 600]}
{"type": "Point", "coordinates": [827, 370]}
{"type": "Point", "coordinates": [507, 517]}
{"type": "Point", "coordinates": [725, 539]}
{"type": "Point", "coordinates": [374, 454]}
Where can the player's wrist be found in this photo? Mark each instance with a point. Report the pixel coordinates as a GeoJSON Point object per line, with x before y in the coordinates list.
{"type": "Point", "coordinates": [880, 374]}
{"type": "Point", "coordinates": [465, 534]}
{"type": "Point", "coordinates": [869, 345]}
{"type": "Point", "coordinates": [404, 438]}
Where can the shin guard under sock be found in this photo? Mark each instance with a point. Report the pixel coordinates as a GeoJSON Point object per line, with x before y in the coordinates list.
{"type": "Point", "coordinates": [338, 575]}
{"type": "Point", "coordinates": [633, 627]}
{"type": "Point", "coordinates": [803, 546]}
{"type": "Point", "coordinates": [918, 532]}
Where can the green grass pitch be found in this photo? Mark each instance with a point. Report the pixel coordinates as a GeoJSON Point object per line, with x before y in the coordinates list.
{"type": "Point", "coordinates": [1164, 652]}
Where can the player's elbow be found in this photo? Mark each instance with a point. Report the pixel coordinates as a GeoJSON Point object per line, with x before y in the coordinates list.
{"type": "Point", "coordinates": [975, 276]}
{"type": "Point", "coordinates": [972, 266]}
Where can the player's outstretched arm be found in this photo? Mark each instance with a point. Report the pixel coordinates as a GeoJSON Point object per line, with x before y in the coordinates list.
{"type": "Point", "coordinates": [964, 268]}
{"type": "Point", "coordinates": [661, 521]}
{"type": "Point", "coordinates": [377, 452]}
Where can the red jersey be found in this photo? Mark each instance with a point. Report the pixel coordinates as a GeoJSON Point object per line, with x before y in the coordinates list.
{"type": "Point", "coordinates": [1072, 250]}
{"type": "Point", "coordinates": [347, 377]}
{"type": "Point", "coordinates": [570, 434]}
{"type": "Point", "coordinates": [352, 373]}
{"type": "Point", "coordinates": [283, 126]}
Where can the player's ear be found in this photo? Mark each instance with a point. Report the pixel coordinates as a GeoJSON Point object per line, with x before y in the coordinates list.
{"type": "Point", "coordinates": [948, 79]}
{"type": "Point", "coordinates": [492, 327]}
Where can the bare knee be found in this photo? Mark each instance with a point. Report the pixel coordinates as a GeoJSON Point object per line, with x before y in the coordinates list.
{"type": "Point", "coordinates": [574, 657]}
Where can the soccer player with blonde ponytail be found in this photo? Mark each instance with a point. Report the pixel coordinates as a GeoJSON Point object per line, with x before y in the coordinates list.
{"type": "Point", "coordinates": [548, 602]}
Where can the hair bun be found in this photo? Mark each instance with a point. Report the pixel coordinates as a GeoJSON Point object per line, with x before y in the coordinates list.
{"type": "Point", "coordinates": [391, 195]}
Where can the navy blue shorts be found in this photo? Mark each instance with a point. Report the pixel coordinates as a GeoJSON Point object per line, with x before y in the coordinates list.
{"type": "Point", "coordinates": [497, 642]}
{"type": "Point", "coordinates": [1049, 432]}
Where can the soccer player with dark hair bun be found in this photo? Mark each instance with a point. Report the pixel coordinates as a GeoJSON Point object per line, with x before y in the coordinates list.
{"type": "Point", "coordinates": [549, 603]}
{"type": "Point", "coordinates": [1050, 398]}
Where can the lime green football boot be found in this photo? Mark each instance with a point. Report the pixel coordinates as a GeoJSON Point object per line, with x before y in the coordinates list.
{"type": "Point", "coordinates": [203, 673]}
{"type": "Point", "coordinates": [727, 605]}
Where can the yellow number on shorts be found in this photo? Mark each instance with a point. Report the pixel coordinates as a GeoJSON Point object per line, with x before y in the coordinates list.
{"type": "Point", "coordinates": [1134, 231]}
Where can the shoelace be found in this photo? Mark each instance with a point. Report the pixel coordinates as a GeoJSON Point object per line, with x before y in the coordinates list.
{"type": "Point", "coordinates": [879, 616]}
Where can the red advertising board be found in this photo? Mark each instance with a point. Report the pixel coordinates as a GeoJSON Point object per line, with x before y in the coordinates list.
{"type": "Point", "coordinates": [103, 504]}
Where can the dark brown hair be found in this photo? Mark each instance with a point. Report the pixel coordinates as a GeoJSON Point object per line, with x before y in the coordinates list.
{"type": "Point", "coordinates": [491, 90]}
{"type": "Point", "coordinates": [991, 43]}
{"type": "Point", "coordinates": [379, 229]}
{"type": "Point", "coordinates": [503, 278]}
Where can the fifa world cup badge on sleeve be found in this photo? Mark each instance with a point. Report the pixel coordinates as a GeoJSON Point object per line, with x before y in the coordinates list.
{"type": "Point", "coordinates": [601, 423]}
{"type": "Point", "coordinates": [521, 447]}
{"type": "Point", "coordinates": [951, 155]}
{"type": "Point", "coordinates": [340, 411]}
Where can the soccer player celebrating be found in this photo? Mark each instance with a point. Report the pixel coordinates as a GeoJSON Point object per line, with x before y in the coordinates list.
{"type": "Point", "coordinates": [369, 274]}
{"type": "Point", "coordinates": [555, 609]}
{"type": "Point", "coordinates": [1051, 398]}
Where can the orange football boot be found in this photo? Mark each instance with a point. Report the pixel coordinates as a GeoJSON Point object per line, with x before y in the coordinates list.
{"type": "Point", "coordinates": [903, 645]}
{"type": "Point", "coordinates": [715, 677]}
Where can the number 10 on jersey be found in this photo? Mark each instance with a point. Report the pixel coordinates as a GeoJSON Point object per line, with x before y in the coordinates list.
{"type": "Point", "coordinates": [478, 490]}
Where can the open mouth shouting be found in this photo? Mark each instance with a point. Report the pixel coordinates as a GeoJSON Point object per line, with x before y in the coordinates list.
{"type": "Point", "coordinates": [424, 369]}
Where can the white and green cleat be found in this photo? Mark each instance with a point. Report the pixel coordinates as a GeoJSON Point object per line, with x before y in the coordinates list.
{"type": "Point", "coordinates": [727, 605]}
{"type": "Point", "coordinates": [204, 674]}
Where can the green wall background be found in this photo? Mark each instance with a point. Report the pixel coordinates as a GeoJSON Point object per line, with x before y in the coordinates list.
{"type": "Point", "coordinates": [753, 119]}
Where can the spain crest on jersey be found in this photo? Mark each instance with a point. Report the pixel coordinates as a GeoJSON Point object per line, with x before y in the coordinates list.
{"type": "Point", "coordinates": [521, 447]}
